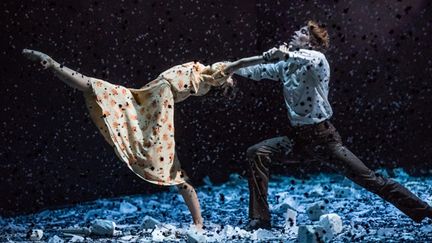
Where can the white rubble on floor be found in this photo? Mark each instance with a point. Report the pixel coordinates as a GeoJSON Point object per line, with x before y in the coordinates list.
{"type": "Point", "coordinates": [312, 234]}
{"type": "Point", "coordinates": [103, 227]}
{"type": "Point", "coordinates": [229, 232]}
{"type": "Point", "coordinates": [263, 234]}
{"type": "Point", "coordinates": [331, 223]}
{"type": "Point", "coordinates": [165, 217]}
{"type": "Point", "coordinates": [76, 230]}
{"type": "Point", "coordinates": [126, 207]}
{"type": "Point", "coordinates": [55, 239]}
{"type": "Point", "coordinates": [158, 235]}
{"type": "Point", "coordinates": [318, 191]}
{"type": "Point", "coordinates": [128, 238]}
{"type": "Point", "coordinates": [328, 226]}
{"type": "Point", "coordinates": [195, 237]}
{"type": "Point", "coordinates": [386, 231]}
{"type": "Point", "coordinates": [77, 238]}
{"type": "Point", "coordinates": [345, 192]}
{"type": "Point", "coordinates": [316, 210]}
{"type": "Point", "coordinates": [35, 234]}
{"type": "Point", "coordinates": [407, 237]}
{"type": "Point", "coordinates": [290, 219]}
{"type": "Point", "coordinates": [150, 223]}
{"type": "Point", "coordinates": [427, 229]}
{"type": "Point", "coordinates": [286, 201]}
{"type": "Point", "coordinates": [100, 227]}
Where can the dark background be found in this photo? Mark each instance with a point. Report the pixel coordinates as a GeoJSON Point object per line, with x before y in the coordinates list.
{"type": "Point", "coordinates": [51, 153]}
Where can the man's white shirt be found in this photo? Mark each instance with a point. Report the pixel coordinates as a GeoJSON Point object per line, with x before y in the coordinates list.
{"type": "Point", "coordinates": [305, 77]}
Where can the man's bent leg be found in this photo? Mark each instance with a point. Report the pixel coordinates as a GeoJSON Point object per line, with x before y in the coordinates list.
{"type": "Point", "coordinates": [260, 157]}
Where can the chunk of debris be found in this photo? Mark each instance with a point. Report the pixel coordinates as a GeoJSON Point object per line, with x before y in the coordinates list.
{"type": "Point", "coordinates": [316, 210]}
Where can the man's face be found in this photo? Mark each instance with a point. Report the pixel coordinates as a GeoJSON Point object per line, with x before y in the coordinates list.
{"type": "Point", "coordinates": [300, 38]}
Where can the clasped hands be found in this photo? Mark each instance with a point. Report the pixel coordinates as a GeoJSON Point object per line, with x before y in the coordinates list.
{"type": "Point", "coordinates": [281, 53]}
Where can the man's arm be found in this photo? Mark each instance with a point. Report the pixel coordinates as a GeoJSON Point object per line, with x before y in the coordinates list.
{"type": "Point", "coordinates": [260, 71]}
{"type": "Point", "coordinates": [299, 57]}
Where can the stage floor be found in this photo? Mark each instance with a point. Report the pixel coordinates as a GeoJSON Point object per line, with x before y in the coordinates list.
{"type": "Point", "coordinates": [365, 216]}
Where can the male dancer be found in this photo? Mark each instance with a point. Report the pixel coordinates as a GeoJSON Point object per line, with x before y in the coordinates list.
{"type": "Point", "coordinates": [305, 76]}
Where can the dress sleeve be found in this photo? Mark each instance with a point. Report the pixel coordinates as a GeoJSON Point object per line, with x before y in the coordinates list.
{"type": "Point", "coordinates": [261, 71]}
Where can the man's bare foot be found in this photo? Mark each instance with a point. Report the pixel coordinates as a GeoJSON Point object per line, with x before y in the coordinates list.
{"type": "Point", "coordinates": [37, 56]}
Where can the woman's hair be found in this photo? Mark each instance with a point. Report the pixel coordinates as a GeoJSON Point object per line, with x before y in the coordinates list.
{"type": "Point", "coordinates": [319, 34]}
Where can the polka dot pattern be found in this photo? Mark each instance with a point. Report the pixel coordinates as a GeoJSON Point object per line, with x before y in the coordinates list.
{"type": "Point", "coordinates": [138, 123]}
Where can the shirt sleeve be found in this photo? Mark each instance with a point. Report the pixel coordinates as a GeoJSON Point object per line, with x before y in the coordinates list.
{"type": "Point", "coordinates": [260, 71]}
{"type": "Point", "coordinates": [303, 58]}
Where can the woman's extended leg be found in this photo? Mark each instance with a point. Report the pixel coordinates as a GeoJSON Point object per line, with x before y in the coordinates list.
{"type": "Point", "coordinates": [191, 199]}
{"type": "Point", "coordinates": [67, 75]}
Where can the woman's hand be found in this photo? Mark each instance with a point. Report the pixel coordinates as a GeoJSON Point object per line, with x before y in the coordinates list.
{"type": "Point", "coordinates": [37, 56]}
{"type": "Point", "coordinates": [230, 82]}
{"type": "Point", "coordinates": [229, 89]}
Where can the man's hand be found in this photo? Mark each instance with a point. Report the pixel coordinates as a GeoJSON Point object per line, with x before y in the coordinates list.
{"type": "Point", "coordinates": [269, 55]}
{"type": "Point", "coordinates": [277, 54]}
{"type": "Point", "coordinates": [284, 48]}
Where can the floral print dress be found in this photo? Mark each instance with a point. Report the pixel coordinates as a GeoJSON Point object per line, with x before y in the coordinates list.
{"type": "Point", "coordinates": [138, 123]}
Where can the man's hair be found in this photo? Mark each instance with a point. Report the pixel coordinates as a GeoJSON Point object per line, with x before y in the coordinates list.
{"type": "Point", "coordinates": [319, 34]}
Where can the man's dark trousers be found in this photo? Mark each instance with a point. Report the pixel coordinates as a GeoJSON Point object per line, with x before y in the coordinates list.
{"type": "Point", "coordinates": [321, 143]}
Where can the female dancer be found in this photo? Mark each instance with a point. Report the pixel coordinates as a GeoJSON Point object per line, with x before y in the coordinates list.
{"type": "Point", "coordinates": [138, 123]}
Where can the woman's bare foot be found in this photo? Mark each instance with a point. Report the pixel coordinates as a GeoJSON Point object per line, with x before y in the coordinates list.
{"type": "Point", "coordinates": [37, 56]}
{"type": "Point", "coordinates": [199, 227]}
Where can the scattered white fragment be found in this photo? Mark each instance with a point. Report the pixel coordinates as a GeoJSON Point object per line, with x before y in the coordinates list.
{"type": "Point", "coordinates": [331, 223]}
{"type": "Point", "coordinates": [426, 229]}
{"type": "Point", "coordinates": [316, 210]}
{"type": "Point", "coordinates": [312, 234]}
{"type": "Point", "coordinates": [290, 219]}
{"type": "Point", "coordinates": [35, 234]}
{"type": "Point", "coordinates": [407, 237]}
{"type": "Point", "coordinates": [229, 232]}
{"type": "Point", "coordinates": [343, 192]}
{"type": "Point", "coordinates": [316, 194]}
{"type": "Point", "coordinates": [103, 227]}
{"type": "Point", "coordinates": [386, 231]}
{"type": "Point", "coordinates": [195, 237]}
{"type": "Point", "coordinates": [126, 207]}
{"type": "Point", "coordinates": [157, 235]}
{"type": "Point", "coordinates": [286, 201]}
{"type": "Point", "coordinates": [262, 234]}
{"type": "Point", "coordinates": [76, 230]}
{"type": "Point", "coordinates": [55, 239]}
{"type": "Point", "coordinates": [150, 223]}
{"type": "Point", "coordinates": [130, 238]}
{"type": "Point", "coordinates": [77, 238]}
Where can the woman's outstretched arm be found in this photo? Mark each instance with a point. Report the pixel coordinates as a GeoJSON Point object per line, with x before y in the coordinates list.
{"type": "Point", "coordinates": [67, 75]}
{"type": "Point", "coordinates": [272, 55]}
